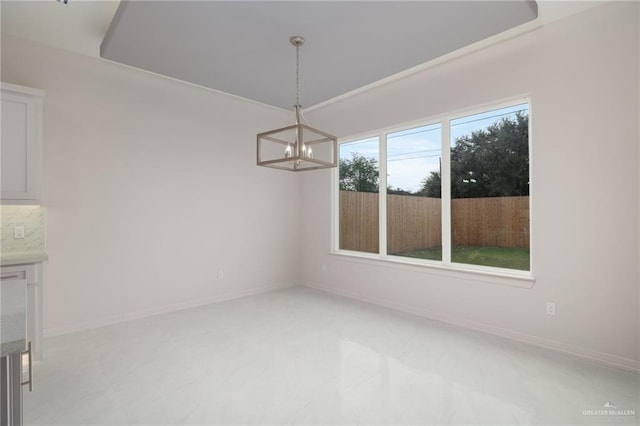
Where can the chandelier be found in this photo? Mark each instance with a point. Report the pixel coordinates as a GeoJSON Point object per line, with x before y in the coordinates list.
{"type": "Point", "coordinates": [297, 147]}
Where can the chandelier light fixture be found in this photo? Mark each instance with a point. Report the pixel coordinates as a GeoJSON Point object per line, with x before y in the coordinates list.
{"type": "Point", "coordinates": [297, 147]}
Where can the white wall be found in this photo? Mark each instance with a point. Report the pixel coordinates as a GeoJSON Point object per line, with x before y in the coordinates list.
{"type": "Point", "coordinates": [151, 187]}
{"type": "Point", "coordinates": [582, 75]}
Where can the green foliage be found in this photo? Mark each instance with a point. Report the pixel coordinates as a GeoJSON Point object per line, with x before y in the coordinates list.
{"type": "Point", "coordinates": [398, 191]}
{"type": "Point", "coordinates": [431, 186]}
{"type": "Point", "coordinates": [359, 173]}
{"type": "Point", "coordinates": [492, 162]}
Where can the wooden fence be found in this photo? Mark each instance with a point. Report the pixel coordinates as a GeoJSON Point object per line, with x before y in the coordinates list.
{"type": "Point", "coordinates": [359, 221]}
{"type": "Point", "coordinates": [415, 222]}
{"type": "Point", "coordinates": [490, 222]}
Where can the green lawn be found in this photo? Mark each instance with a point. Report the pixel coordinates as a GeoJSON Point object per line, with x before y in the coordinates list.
{"type": "Point", "coordinates": [500, 257]}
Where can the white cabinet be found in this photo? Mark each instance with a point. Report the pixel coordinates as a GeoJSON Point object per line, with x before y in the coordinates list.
{"type": "Point", "coordinates": [32, 273]}
{"type": "Point", "coordinates": [21, 144]}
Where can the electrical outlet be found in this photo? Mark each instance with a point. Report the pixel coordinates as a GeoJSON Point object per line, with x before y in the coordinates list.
{"type": "Point", "coordinates": [551, 308]}
{"type": "Point", "coordinates": [221, 274]}
{"type": "Point", "coordinates": [18, 232]}
{"type": "Point", "coordinates": [323, 268]}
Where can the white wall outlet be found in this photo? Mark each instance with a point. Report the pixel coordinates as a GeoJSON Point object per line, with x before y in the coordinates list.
{"type": "Point", "coordinates": [18, 232]}
{"type": "Point", "coordinates": [221, 274]}
{"type": "Point", "coordinates": [551, 308]}
{"type": "Point", "coordinates": [323, 268]}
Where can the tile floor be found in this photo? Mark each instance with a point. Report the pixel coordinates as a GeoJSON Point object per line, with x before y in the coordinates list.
{"type": "Point", "coordinates": [298, 356]}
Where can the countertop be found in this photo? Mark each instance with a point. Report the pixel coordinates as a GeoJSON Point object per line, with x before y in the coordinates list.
{"type": "Point", "coordinates": [13, 347]}
{"type": "Point", "coordinates": [22, 258]}
{"type": "Point", "coordinates": [13, 316]}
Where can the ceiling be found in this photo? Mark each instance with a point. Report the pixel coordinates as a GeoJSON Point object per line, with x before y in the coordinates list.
{"type": "Point", "coordinates": [242, 47]}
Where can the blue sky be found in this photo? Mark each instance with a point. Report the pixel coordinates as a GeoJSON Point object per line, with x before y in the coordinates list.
{"type": "Point", "coordinates": [413, 153]}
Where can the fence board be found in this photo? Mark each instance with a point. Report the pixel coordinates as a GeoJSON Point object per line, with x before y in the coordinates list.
{"type": "Point", "coordinates": [490, 222]}
{"type": "Point", "coordinates": [413, 223]}
{"type": "Point", "coordinates": [359, 221]}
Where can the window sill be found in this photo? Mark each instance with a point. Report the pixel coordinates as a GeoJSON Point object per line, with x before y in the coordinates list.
{"type": "Point", "coordinates": [498, 276]}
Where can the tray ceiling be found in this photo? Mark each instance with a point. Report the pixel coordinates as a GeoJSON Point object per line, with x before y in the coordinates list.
{"type": "Point", "coordinates": [243, 48]}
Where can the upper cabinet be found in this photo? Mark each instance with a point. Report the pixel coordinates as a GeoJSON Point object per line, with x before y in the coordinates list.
{"type": "Point", "coordinates": [21, 144]}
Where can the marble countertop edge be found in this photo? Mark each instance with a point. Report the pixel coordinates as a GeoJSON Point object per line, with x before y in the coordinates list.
{"type": "Point", "coordinates": [22, 258]}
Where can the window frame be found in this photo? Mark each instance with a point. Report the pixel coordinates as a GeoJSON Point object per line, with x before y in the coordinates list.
{"type": "Point", "coordinates": [511, 277]}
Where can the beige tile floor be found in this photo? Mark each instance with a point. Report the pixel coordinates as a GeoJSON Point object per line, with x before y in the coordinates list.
{"type": "Point", "coordinates": [298, 356]}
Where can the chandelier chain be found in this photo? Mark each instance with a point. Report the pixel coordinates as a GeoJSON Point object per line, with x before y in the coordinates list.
{"type": "Point", "coordinates": [297, 75]}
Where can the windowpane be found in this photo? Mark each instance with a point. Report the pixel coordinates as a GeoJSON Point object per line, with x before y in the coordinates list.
{"type": "Point", "coordinates": [414, 225]}
{"type": "Point", "coordinates": [490, 188]}
{"type": "Point", "coordinates": [358, 183]}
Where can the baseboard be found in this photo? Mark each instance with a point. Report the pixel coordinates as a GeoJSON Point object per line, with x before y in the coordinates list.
{"type": "Point", "coordinates": [599, 357]}
{"type": "Point", "coordinates": [102, 322]}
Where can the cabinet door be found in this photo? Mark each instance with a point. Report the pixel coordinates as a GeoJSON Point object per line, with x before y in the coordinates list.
{"type": "Point", "coordinates": [21, 146]}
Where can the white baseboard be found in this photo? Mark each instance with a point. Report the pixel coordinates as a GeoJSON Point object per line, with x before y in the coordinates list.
{"type": "Point", "coordinates": [102, 322]}
{"type": "Point", "coordinates": [600, 357]}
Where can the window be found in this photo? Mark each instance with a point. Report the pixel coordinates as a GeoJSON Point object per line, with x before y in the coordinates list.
{"type": "Point", "coordinates": [414, 221]}
{"type": "Point", "coordinates": [490, 188]}
{"type": "Point", "coordinates": [457, 192]}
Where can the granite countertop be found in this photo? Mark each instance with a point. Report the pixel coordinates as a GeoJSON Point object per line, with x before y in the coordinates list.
{"type": "Point", "coordinates": [21, 258]}
{"type": "Point", "coordinates": [13, 316]}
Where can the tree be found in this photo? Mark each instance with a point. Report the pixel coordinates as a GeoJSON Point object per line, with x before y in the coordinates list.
{"type": "Point", "coordinates": [492, 162]}
{"type": "Point", "coordinates": [398, 191]}
{"type": "Point", "coordinates": [431, 186]}
{"type": "Point", "coordinates": [359, 173]}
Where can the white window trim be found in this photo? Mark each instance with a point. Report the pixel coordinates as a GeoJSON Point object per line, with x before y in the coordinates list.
{"type": "Point", "coordinates": [510, 277]}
